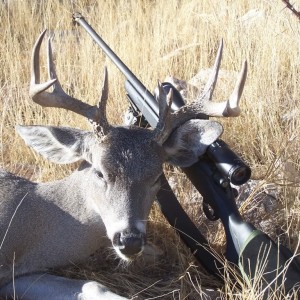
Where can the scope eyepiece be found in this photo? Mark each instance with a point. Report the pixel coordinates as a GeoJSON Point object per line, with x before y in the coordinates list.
{"type": "Point", "coordinates": [228, 163]}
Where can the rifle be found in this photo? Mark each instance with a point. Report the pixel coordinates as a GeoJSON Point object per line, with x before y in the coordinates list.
{"type": "Point", "coordinates": [211, 176]}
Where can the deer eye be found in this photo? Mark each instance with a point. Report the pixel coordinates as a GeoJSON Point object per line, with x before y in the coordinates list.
{"type": "Point", "coordinates": [99, 174]}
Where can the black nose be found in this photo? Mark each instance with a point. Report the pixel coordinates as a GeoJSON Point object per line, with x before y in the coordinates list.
{"type": "Point", "coordinates": [129, 242]}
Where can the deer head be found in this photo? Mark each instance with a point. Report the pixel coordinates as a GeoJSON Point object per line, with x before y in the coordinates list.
{"type": "Point", "coordinates": [122, 165]}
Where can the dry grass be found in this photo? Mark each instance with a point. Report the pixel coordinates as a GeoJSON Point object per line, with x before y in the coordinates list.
{"type": "Point", "coordinates": [147, 36]}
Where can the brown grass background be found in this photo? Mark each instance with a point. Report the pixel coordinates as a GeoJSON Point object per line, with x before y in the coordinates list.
{"type": "Point", "coordinates": [156, 39]}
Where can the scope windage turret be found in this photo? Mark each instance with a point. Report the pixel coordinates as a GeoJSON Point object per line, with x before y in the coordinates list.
{"type": "Point", "coordinates": [229, 163]}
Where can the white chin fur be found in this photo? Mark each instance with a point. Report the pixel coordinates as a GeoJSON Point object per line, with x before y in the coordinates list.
{"type": "Point", "coordinates": [127, 258]}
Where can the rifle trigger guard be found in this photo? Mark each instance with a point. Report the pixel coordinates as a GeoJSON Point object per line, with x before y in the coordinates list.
{"type": "Point", "coordinates": [209, 212]}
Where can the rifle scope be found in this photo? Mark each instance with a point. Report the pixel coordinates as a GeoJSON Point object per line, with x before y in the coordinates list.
{"type": "Point", "coordinates": [227, 162]}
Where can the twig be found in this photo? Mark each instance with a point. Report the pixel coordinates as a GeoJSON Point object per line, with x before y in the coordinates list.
{"type": "Point", "coordinates": [292, 8]}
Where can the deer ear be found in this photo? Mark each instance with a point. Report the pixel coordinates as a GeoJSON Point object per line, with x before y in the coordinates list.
{"type": "Point", "coordinates": [190, 140]}
{"type": "Point", "coordinates": [61, 145]}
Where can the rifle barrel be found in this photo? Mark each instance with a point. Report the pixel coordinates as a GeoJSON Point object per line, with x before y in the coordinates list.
{"type": "Point", "coordinates": [118, 62]}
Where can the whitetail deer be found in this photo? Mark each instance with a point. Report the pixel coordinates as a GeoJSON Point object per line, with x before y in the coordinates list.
{"type": "Point", "coordinates": [108, 199]}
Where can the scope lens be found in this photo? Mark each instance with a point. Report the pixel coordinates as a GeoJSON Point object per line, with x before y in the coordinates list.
{"type": "Point", "coordinates": [240, 175]}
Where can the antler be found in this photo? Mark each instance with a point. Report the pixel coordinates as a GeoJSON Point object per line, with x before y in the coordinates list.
{"type": "Point", "coordinates": [58, 98]}
{"type": "Point", "coordinates": [164, 102]}
{"type": "Point", "coordinates": [202, 106]}
{"type": "Point", "coordinates": [99, 121]}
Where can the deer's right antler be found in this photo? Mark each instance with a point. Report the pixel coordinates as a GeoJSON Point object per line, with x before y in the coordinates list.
{"type": "Point", "coordinates": [59, 98]}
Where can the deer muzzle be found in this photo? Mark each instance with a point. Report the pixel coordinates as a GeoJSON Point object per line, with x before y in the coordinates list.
{"type": "Point", "coordinates": [129, 243]}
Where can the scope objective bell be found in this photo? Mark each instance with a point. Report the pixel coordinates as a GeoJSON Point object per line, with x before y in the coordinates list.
{"type": "Point", "coordinates": [228, 163]}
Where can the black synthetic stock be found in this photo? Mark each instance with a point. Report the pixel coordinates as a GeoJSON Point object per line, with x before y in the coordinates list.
{"type": "Point", "coordinates": [273, 263]}
{"type": "Point", "coordinates": [206, 180]}
{"type": "Point", "coordinates": [187, 230]}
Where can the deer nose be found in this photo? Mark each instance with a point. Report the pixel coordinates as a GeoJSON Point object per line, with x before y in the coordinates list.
{"type": "Point", "coordinates": [129, 242]}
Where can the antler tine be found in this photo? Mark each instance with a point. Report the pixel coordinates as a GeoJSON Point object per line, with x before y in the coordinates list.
{"type": "Point", "coordinates": [100, 123]}
{"type": "Point", "coordinates": [232, 108]}
{"type": "Point", "coordinates": [164, 103]}
{"type": "Point", "coordinates": [51, 68]}
{"type": "Point", "coordinates": [35, 86]}
{"type": "Point", "coordinates": [209, 88]}
{"type": "Point", "coordinates": [103, 98]}
{"type": "Point", "coordinates": [57, 98]}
